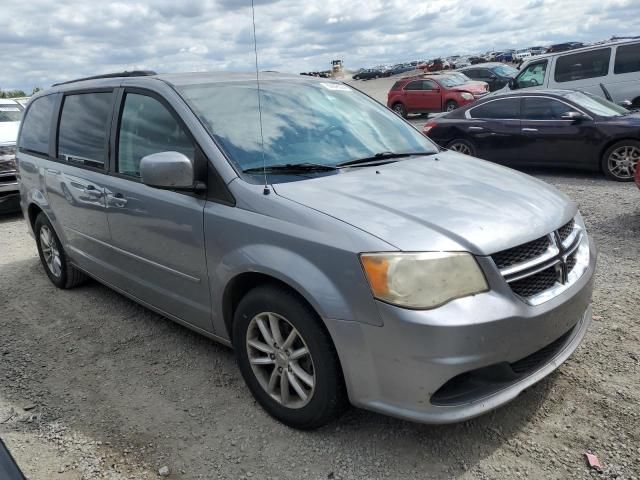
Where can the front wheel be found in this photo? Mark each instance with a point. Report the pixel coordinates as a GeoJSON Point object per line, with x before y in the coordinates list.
{"type": "Point", "coordinates": [400, 109]}
{"type": "Point", "coordinates": [287, 359]}
{"type": "Point", "coordinates": [462, 146]}
{"type": "Point", "coordinates": [620, 160]}
{"type": "Point", "coordinates": [450, 106]}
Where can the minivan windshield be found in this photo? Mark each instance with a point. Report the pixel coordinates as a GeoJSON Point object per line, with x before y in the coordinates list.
{"type": "Point", "coordinates": [323, 123]}
{"type": "Point", "coordinates": [597, 105]}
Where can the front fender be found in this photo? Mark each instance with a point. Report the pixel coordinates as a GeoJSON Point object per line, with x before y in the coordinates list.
{"type": "Point", "coordinates": [327, 298]}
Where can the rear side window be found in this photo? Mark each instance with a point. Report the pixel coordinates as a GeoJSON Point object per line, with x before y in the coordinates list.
{"type": "Point", "coordinates": [415, 85]}
{"type": "Point", "coordinates": [397, 85]}
{"type": "Point", "coordinates": [539, 108]}
{"type": "Point", "coordinates": [627, 59]}
{"type": "Point", "coordinates": [579, 66]}
{"type": "Point", "coordinates": [36, 125]}
{"type": "Point", "coordinates": [84, 127]}
{"type": "Point", "coordinates": [147, 127]}
{"type": "Point", "coordinates": [509, 108]}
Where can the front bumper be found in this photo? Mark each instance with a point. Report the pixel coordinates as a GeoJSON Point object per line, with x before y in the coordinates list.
{"type": "Point", "coordinates": [9, 192]}
{"type": "Point", "coordinates": [396, 369]}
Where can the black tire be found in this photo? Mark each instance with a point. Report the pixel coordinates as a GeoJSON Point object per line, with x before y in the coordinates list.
{"type": "Point", "coordinates": [328, 398]}
{"type": "Point", "coordinates": [462, 146]}
{"type": "Point", "coordinates": [68, 276]}
{"type": "Point", "coordinates": [622, 173]}
{"type": "Point", "coordinates": [400, 109]}
{"type": "Point", "coordinates": [450, 106]}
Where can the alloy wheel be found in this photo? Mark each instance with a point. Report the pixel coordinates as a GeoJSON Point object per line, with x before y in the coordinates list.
{"type": "Point", "coordinates": [623, 161]}
{"type": "Point", "coordinates": [280, 360]}
{"type": "Point", "coordinates": [460, 148]}
{"type": "Point", "coordinates": [50, 251]}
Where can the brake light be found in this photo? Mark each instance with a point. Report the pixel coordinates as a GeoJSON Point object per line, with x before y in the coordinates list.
{"type": "Point", "coordinates": [427, 128]}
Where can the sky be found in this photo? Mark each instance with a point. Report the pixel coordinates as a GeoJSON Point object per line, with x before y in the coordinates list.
{"type": "Point", "coordinates": [44, 41]}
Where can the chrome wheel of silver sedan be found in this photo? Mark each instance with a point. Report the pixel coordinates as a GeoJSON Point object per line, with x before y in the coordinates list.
{"type": "Point", "coordinates": [623, 161]}
{"type": "Point", "coordinates": [50, 251]}
{"type": "Point", "coordinates": [280, 360]}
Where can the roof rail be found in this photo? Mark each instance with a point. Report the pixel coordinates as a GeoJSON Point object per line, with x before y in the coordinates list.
{"type": "Point", "coordinates": [133, 73]}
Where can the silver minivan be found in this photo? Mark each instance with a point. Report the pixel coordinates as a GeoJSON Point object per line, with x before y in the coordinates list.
{"type": "Point", "coordinates": [343, 255]}
{"type": "Point", "coordinates": [614, 66]}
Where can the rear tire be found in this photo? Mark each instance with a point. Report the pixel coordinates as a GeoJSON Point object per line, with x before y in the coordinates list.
{"type": "Point", "coordinates": [400, 109]}
{"type": "Point", "coordinates": [462, 146]}
{"type": "Point", "coordinates": [620, 160]}
{"type": "Point", "coordinates": [53, 257]}
{"type": "Point", "coordinates": [301, 390]}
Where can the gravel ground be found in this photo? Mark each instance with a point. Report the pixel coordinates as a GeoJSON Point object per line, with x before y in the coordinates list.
{"type": "Point", "coordinates": [94, 386]}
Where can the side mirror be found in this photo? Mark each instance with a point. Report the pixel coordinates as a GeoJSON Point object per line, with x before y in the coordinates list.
{"type": "Point", "coordinates": [512, 84]}
{"type": "Point", "coordinates": [170, 170]}
{"type": "Point", "coordinates": [574, 116]}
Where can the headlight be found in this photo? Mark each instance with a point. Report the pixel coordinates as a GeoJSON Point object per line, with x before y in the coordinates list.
{"type": "Point", "coordinates": [7, 158]}
{"type": "Point", "coordinates": [467, 96]}
{"type": "Point", "coordinates": [422, 280]}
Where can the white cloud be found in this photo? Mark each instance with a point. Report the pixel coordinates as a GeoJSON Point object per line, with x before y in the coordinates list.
{"type": "Point", "coordinates": [44, 41]}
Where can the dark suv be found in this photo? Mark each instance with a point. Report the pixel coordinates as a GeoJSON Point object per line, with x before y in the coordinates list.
{"type": "Point", "coordinates": [496, 74]}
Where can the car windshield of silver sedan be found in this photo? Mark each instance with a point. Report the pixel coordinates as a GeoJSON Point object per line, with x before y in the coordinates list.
{"type": "Point", "coordinates": [506, 71]}
{"type": "Point", "coordinates": [597, 105]}
{"type": "Point", "coordinates": [314, 124]}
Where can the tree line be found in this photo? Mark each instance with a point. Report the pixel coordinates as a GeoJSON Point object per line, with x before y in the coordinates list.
{"type": "Point", "coordinates": [17, 93]}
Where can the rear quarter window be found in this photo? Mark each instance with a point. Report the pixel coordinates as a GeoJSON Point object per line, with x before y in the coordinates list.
{"type": "Point", "coordinates": [36, 126]}
{"type": "Point", "coordinates": [627, 59]}
{"type": "Point", "coordinates": [579, 66]}
{"type": "Point", "coordinates": [506, 109]}
{"type": "Point", "coordinates": [84, 123]}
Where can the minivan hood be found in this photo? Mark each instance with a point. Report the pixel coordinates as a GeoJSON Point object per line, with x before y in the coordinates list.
{"type": "Point", "coordinates": [447, 201]}
{"type": "Point", "coordinates": [9, 132]}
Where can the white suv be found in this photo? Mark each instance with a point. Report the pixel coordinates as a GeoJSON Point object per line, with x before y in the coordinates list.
{"type": "Point", "coordinates": [10, 115]}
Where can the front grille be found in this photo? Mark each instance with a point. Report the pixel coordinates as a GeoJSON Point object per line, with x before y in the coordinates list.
{"type": "Point", "coordinates": [536, 359]}
{"type": "Point", "coordinates": [536, 283]}
{"type": "Point", "coordinates": [521, 253]}
{"type": "Point", "coordinates": [8, 179]}
{"type": "Point", "coordinates": [565, 230]}
{"type": "Point", "coordinates": [542, 264]}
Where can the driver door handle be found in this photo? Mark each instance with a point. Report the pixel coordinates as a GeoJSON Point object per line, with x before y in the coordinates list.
{"type": "Point", "coordinates": [476, 128]}
{"type": "Point", "coordinates": [529, 129]}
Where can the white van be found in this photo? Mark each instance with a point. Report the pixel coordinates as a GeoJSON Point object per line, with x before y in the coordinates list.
{"type": "Point", "coordinates": [615, 65]}
{"type": "Point", "coordinates": [522, 54]}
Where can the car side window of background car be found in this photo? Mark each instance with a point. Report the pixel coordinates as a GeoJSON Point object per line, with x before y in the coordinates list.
{"type": "Point", "coordinates": [147, 127]}
{"type": "Point", "coordinates": [540, 108]}
{"type": "Point", "coordinates": [627, 59]}
{"type": "Point", "coordinates": [483, 73]}
{"type": "Point", "coordinates": [84, 122]}
{"type": "Point", "coordinates": [415, 85]}
{"type": "Point", "coordinates": [429, 85]}
{"type": "Point", "coordinates": [506, 109]}
{"type": "Point", "coordinates": [578, 66]}
{"type": "Point", "coordinates": [533, 75]}
{"type": "Point", "coordinates": [36, 125]}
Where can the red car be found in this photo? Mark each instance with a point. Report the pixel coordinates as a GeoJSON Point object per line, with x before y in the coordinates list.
{"type": "Point", "coordinates": [433, 93]}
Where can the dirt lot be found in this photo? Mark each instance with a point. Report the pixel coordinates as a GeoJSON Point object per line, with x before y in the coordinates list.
{"type": "Point", "coordinates": [94, 386]}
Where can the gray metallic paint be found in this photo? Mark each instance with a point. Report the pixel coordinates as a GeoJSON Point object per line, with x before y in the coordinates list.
{"type": "Point", "coordinates": [176, 253]}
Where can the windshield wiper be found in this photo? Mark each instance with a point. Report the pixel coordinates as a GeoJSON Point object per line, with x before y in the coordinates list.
{"type": "Point", "coordinates": [292, 168]}
{"type": "Point", "coordinates": [381, 156]}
